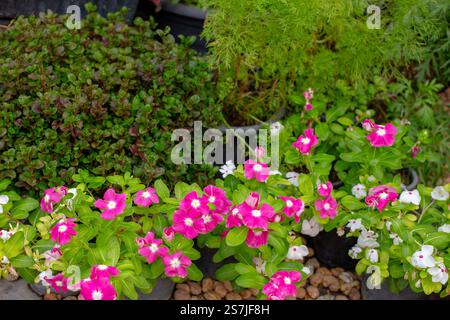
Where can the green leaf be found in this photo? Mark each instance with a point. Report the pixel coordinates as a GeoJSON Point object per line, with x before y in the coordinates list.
{"type": "Point", "coordinates": [305, 185]}
{"type": "Point", "coordinates": [43, 245]}
{"type": "Point", "coordinates": [251, 280]}
{"type": "Point", "coordinates": [194, 273]}
{"type": "Point", "coordinates": [4, 184]}
{"type": "Point", "coordinates": [27, 274]}
{"type": "Point", "coordinates": [236, 236]}
{"type": "Point", "coordinates": [161, 189]}
{"type": "Point", "coordinates": [226, 272]}
{"type": "Point", "coordinates": [25, 205]}
{"type": "Point", "coordinates": [352, 203]}
{"type": "Point", "coordinates": [22, 261]}
{"type": "Point", "coordinates": [440, 240]}
{"type": "Point", "coordinates": [14, 246]}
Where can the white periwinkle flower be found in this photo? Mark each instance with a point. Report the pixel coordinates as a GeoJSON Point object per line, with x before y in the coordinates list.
{"type": "Point", "coordinates": [444, 228]}
{"type": "Point", "coordinates": [368, 239]}
{"type": "Point", "coordinates": [3, 200]}
{"type": "Point", "coordinates": [353, 252]}
{"type": "Point", "coordinates": [5, 235]}
{"type": "Point", "coordinates": [412, 196]}
{"type": "Point", "coordinates": [439, 273]}
{"type": "Point", "coordinates": [43, 275]}
{"type": "Point", "coordinates": [372, 255]}
{"type": "Point", "coordinates": [5, 260]}
{"type": "Point", "coordinates": [423, 258]}
{"type": "Point", "coordinates": [297, 252]}
{"type": "Point", "coordinates": [307, 270]}
{"type": "Point", "coordinates": [227, 169]}
{"type": "Point", "coordinates": [355, 224]}
{"type": "Point", "coordinates": [311, 228]}
{"type": "Point", "coordinates": [374, 281]}
{"type": "Point", "coordinates": [275, 128]}
{"type": "Point", "coordinates": [293, 178]}
{"type": "Point", "coordinates": [395, 238]}
{"type": "Point", "coordinates": [439, 193]}
{"type": "Point", "coordinates": [359, 191]}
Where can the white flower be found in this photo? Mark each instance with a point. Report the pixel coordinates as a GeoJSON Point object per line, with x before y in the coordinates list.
{"type": "Point", "coordinates": [368, 239]}
{"type": "Point", "coordinates": [374, 281]}
{"type": "Point", "coordinates": [444, 228]}
{"type": "Point", "coordinates": [439, 193]}
{"type": "Point", "coordinates": [45, 274]}
{"type": "Point", "coordinates": [395, 238]}
{"type": "Point", "coordinates": [5, 260]}
{"type": "Point", "coordinates": [275, 128]}
{"type": "Point", "coordinates": [355, 225]}
{"type": "Point", "coordinates": [372, 255]}
{"type": "Point", "coordinates": [439, 273]}
{"type": "Point", "coordinates": [410, 197]}
{"type": "Point", "coordinates": [371, 178]}
{"type": "Point", "coordinates": [5, 235]}
{"type": "Point", "coordinates": [388, 225]}
{"type": "Point", "coordinates": [424, 257]}
{"type": "Point", "coordinates": [306, 270]}
{"type": "Point", "coordinates": [359, 191]}
{"type": "Point", "coordinates": [311, 228]}
{"type": "Point", "coordinates": [297, 252]}
{"type": "Point", "coordinates": [293, 178]}
{"type": "Point", "coordinates": [353, 252]}
{"type": "Point", "coordinates": [3, 200]}
{"type": "Point", "coordinates": [274, 172]}
{"type": "Point", "coordinates": [227, 169]}
{"type": "Point", "coordinates": [260, 265]}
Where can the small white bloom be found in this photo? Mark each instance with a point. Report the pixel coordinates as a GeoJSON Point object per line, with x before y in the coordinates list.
{"type": "Point", "coordinates": [5, 235]}
{"type": "Point", "coordinates": [388, 225]}
{"type": "Point", "coordinates": [439, 193]}
{"type": "Point", "coordinates": [359, 191]}
{"type": "Point", "coordinates": [374, 281]}
{"type": "Point", "coordinates": [306, 270]}
{"type": "Point", "coordinates": [293, 178]}
{"type": "Point", "coordinates": [395, 238]}
{"type": "Point", "coordinates": [260, 265]}
{"type": "Point", "coordinates": [5, 260]}
{"type": "Point", "coordinates": [340, 231]}
{"type": "Point", "coordinates": [355, 224]}
{"type": "Point", "coordinates": [423, 258]}
{"type": "Point", "coordinates": [3, 200]}
{"type": "Point", "coordinates": [439, 273]}
{"type": "Point", "coordinates": [444, 228]}
{"type": "Point", "coordinates": [275, 128]}
{"type": "Point", "coordinates": [371, 178]}
{"type": "Point", "coordinates": [45, 274]}
{"type": "Point", "coordinates": [372, 255]}
{"type": "Point", "coordinates": [410, 197]}
{"type": "Point", "coordinates": [227, 169]}
{"type": "Point", "coordinates": [353, 252]}
{"type": "Point", "coordinates": [368, 239]}
{"type": "Point", "coordinates": [311, 228]}
{"type": "Point", "coordinates": [297, 252]}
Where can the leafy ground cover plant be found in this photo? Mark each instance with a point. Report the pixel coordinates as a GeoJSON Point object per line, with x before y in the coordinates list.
{"type": "Point", "coordinates": [103, 98]}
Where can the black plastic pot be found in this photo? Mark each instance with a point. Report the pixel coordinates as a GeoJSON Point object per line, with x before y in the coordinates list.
{"type": "Point", "coordinates": [162, 291]}
{"type": "Point", "coordinates": [10, 9]}
{"type": "Point", "coordinates": [206, 264]}
{"type": "Point", "coordinates": [183, 20]}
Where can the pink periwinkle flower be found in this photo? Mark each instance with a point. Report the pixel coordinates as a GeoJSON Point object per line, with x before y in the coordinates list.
{"type": "Point", "coordinates": [97, 289]}
{"type": "Point", "coordinates": [217, 197]}
{"type": "Point", "coordinates": [308, 106]}
{"type": "Point", "coordinates": [257, 238]}
{"type": "Point", "coordinates": [256, 218]}
{"type": "Point", "coordinates": [382, 136]}
{"type": "Point", "coordinates": [193, 203]}
{"type": "Point", "coordinates": [306, 142]}
{"type": "Point", "coordinates": [176, 264]}
{"type": "Point", "coordinates": [234, 218]}
{"type": "Point", "coordinates": [63, 231]}
{"type": "Point", "coordinates": [146, 197]}
{"type": "Point", "coordinates": [112, 204]}
{"type": "Point", "coordinates": [327, 208]}
{"type": "Point", "coordinates": [380, 197]}
{"type": "Point", "coordinates": [52, 196]}
{"type": "Point", "coordinates": [281, 285]}
{"type": "Point", "coordinates": [58, 282]}
{"type": "Point", "coordinates": [293, 207]}
{"type": "Point", "coordinates": [168, 234]}
{"type": "Point", "coordinates": [208, 222]}
{"type": "Point", "coordinates": [368, 125]}
{"type": "Point", "coordinates": [324, 189]}
{"type": "Point", "coordinates": [151, 248]}
{"type": "Point", "coordinates": [258, 170]}
{"type": "Point", "coordinates": [103, 271]}
{"type": "Point", "coordinates": [184, 223]}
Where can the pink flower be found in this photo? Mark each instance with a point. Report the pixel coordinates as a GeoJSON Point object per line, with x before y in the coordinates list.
{"type": "Point", "coordinates": [368, 125]}
{"type": "Point", "coordinates": [324, 189]}
{"type": "Point", "coordinates": [150, 248]}
{"type": "Point", "coordinates": [256, 218]}
{"type": "Point", "coordinates": [97, 289]}
{"type": "Point", "coordinates": [292, 206]}
{"type": "Point", "coordinates": [234, 218]}
{"type": "Point", "coordinates": [145, 198]}
{"type": "Point", "coordinates": [208, 222]}
{"type": "Point", "coordinates": [217, 197]}
{"type": "Point", "coordinates": [415, 151]}
{"type": "Point", "coordinates": [252, 200]}
{"type": "Point", "coordinates": [52, 255]}
{"type": "Point", "coordinates": [256, 238]}
{"type": "Point", "coordinates": [380, 197]}
{"type": "Point", "coordinates": [327, 208]}
{"type": "Point", "coordinates": [258, 170]}
{"type": "Point", "coordinates": [276, 218]}
{"type": "Point", "coordinates": [168, 234]}
{"type": "Point", "coordinates": [305, 142]}
{"type": "Point", "coordinates": [102, 271]}
{"type": "Point", "coordinates": [308, 106]}
{"type": "Point", "coordinates": [63, 231]}
{"type": "Point", "coordinates": [176, 264]}
{"type": "Point", "coordinates": [192, 203]}
{"type": "Point", "coordinates": [58, 282]}
{"type": "Point", "coordinates": [112, 204]}
{"type": "Point", "coordinates": [184, 223]}
{"type": "Point", "coordinates": [382, 136]}
{"type": "Point", "coordinates": [51, 196]}
{"type": "Point", "coordinates": [281, 285]}
{"type": "Point", "coordinates": [272, 291]}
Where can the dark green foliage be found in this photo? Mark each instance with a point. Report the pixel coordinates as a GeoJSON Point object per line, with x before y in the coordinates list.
{"type": "Point", "coordinates": [104, 98]}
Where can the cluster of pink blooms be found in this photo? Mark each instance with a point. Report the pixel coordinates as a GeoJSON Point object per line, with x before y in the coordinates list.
{"type": "Point", "coordinates": [308, 96]}
{"type": "Point", "coordinates": [282, 285]}
{"type": "Point", "coordinates": [98, 286]}
{"type": "Point", "coordinates": [327, 207]}
{"type": "Point", "coordinates": [175, 265]}
{"type": "Point", "coordinates": [52, 196]}
{"type": "Point", "coordinates": [63, 231]}
{"type": "Point", "coordinates": [380, 135]}
{"type": "Point", "coordinates": [200, 215]}
{"type": "Point", "coordinates": [306, 141]}
{"type": "Point", "coordinates": [380, 197]}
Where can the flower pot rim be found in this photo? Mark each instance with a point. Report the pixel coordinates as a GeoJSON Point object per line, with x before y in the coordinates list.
{"type": "Point", "coordinates": [184, 10]}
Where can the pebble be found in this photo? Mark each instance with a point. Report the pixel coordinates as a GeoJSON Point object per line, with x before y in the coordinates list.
{"type": "Point", "coordinates": [227, 284]}
{"type": "Point", "coordinates": [346, 277]}
{"type": "Point", "coordinates": [207, 285]}
{"type": "Point", "coordinates": [254, 292]}
{"type": "Point", "coordinates": [301, 292]}
{"type": "Point", "coordinates": [310, 252]}
{"type": "Point", "coordinates": [183, 286]}
{"type": "Point", "coordinates": [341, 297]}
{"type": "Point", "coordinates": [313, 292]}
{"type": "Point", "coordinates": [326, 297]}
{"type": "Point", "coordinates": [316, 279]}
{"type": "Point", "coordinates": [245, 294]}
{"type": "Point", "coordinates": [323, 271]}
{"type": "Point", "coordinates": [195, 288]}
{"type": "Point", "coordinates": [50, 296]}
{"type": "Point", "coordinates": [220, 290]}
{"type": "Point", "coordinates": [70, 298]}
{"type": "Point", "coordinates": [354, 294]}
{"type": "Point", "coordinates": [313, 264]}
{"type": "Point", "coordinates": [233, 296]}
{"type": "Point", "coordinates": [337, 271]}
{"type": "Point", "coordinates": [181, 294]}
{"type": "Point", "coordinates": [211, 296]}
